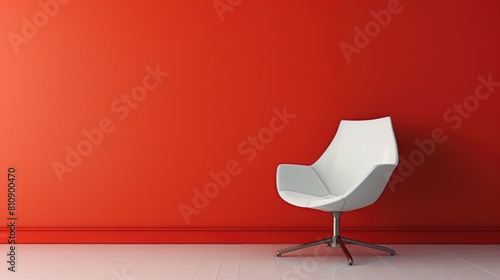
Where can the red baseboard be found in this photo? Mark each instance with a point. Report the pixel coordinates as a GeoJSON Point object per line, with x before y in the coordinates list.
{"type": "Point", "coordinates": [248, 235]}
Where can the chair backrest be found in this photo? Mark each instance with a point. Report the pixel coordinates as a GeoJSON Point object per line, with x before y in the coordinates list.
{"type": "Point", "coordinates": [357, 147]}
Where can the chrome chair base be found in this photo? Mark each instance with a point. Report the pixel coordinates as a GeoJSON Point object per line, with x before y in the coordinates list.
{"type": "Point", "coordinates": [336, 241]}
{"type": "Point", "coordinates": [341, 243]}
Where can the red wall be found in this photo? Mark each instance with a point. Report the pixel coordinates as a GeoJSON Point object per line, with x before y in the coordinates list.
{"type": "Point", "coordinates": [250, 84]}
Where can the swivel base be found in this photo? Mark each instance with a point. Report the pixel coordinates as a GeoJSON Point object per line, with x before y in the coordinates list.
{"type": "Point", "coordinates": [339, 242]}
{"type": "Point", "coordinates": [336, 241]}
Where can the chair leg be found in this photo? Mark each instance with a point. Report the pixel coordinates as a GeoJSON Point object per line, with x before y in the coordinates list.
{"type": "Point", "coordinates": [302, 246]}
{"type": "Point", "coordinates": [344, 248]}
{"type": "Point", "coordinates": [369, 245]}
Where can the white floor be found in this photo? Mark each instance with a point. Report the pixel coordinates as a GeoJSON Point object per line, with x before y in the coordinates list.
{"type": "Point", "coordinates": [252, 261]}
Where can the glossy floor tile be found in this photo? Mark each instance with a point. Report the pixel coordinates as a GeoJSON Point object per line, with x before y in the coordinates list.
{"type": "Point", "coordinates": [248, 261]}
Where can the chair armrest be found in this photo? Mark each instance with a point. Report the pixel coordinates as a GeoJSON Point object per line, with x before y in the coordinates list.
{"type": "Point", "coordinates": [369, 189]}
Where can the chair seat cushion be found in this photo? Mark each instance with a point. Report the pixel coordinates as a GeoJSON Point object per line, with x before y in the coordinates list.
{"type": "Point", "coordinates": [328, 203]}
{"type": "Point", "coordinates": [299, 185]}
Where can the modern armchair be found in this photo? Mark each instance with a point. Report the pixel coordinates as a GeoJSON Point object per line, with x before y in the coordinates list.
{"type": "Point", "coordinates": [351, 174]}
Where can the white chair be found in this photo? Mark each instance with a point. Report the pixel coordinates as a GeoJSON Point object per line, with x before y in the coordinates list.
{"type": "Point", "coordinates": [351, 174]}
